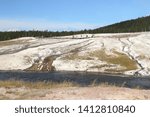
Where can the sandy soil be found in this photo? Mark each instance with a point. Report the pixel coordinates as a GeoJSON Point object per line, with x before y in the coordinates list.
{"type": "Point", "coordinates": [69, 93]}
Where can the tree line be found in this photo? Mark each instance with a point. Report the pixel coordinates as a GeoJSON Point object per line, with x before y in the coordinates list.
{"type": "Point", "coordinates": [135, 25]}
{"type": "Point", "coordinates": [41, 34]}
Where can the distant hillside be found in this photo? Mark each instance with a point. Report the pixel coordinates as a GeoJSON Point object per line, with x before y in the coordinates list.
{"type": "Point", "coordinates": [134, 25]}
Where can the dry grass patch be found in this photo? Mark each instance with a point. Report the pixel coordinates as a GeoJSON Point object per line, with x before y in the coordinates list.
{"type": "Point", "coordinates": [35, 85]}
{"type": "Point", "coordinates": [102, 66]}
{"type": "Point", "coordinates": [123, 36]}
{"type": "Point", "coordinates": [76, 56]}
{"type": "Point", "coordinates": [119, 59]}
{"type": "Point", "coordinates": [13, 42]}
{"type": "Point", "coordinates": [114, 59]}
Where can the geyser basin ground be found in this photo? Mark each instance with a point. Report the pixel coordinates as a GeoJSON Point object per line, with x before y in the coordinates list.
{"type": "Point", "coordinates": [108, 53]}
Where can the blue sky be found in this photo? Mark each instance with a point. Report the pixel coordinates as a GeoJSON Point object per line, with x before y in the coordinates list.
{"type": "Point", "coordinates": [68, 14]}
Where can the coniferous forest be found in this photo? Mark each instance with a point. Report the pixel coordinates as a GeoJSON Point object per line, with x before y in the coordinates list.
{"type": "Point", "coordinates": [135, 25]}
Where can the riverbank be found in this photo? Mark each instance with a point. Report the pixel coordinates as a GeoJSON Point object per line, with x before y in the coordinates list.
{"type": "Point", "coordinates": [71, 85]}
{"type": "Point", "coordinates": [80, 78]}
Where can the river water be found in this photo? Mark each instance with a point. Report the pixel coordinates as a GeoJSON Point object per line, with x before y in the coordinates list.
{"type": "Point", "coordinates": [80, 78]}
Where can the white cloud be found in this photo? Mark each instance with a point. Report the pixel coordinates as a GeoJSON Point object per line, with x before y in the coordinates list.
{"type": "Point", "coordinates": [6, 25]}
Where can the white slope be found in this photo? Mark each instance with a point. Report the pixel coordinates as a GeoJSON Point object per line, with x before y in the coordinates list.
{"type": "Point", "coordinates": [22, 53]}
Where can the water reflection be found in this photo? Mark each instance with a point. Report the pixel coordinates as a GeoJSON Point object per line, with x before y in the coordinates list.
{"type": "Point", "coordinates": [81, 78]}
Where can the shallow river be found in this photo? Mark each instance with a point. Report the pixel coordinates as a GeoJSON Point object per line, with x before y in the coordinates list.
{"type": "Point", "coordinates": [81, 78]}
